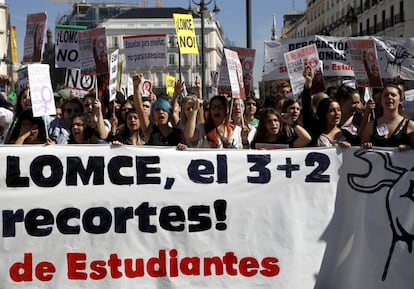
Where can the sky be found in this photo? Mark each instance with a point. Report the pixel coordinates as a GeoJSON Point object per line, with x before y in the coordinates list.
{"type": "Point", "coordinates": [232, 17]}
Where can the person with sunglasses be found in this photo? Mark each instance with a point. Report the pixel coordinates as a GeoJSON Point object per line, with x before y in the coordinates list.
{"type": "Point", "coordinates": [59, 128]}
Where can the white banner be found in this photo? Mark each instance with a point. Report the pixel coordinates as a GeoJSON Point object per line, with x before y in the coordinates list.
{"type": "Point", "coordinates": [395, 56]}
{"type": "Point", "coordinates": [371, 233]}
{"type": "Point", "coordinates": [136, 217]}
{"type": "Point", "coordinates": [145, 51]}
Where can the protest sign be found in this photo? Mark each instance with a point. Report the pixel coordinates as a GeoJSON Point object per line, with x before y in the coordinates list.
{"type": "Point", "coordinates": [296, 61]}
{"type": "Point", "coordinates": [246, 56]}
{"type": "Point", "coordinates": [145, 86]}
{"type": "Point", "coordinates": [41, 92]}
{"type": "Point", "coordinates": [80, 84]}
{"type": "Point", "coordinates": [395, 56]}
{"type": "Point", "coordinates": [113, 75]}
{"type": "Point", "coordinates": [33, 40]}
{"type": "Point", "coordinates": [364, 60]}
{"type": "Point", "coordinates": [93, 51]}
{"type": "Point", "coordinates": [215, 76]}
{"type": "Point", "coordinates": [67, 46]}
{"type": "Point", "coordinates": [231, 71]}
{"type": "Point", "coordinates": [170, 85]}
{"type": "Point", "coordinates": [145, 50]}
{"type": "Point", "coordinates": [186, 37]}
{"type": "Point", "coordinates": [23, 78]}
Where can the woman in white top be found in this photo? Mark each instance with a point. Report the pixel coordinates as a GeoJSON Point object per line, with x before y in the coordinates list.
{"type": "Point", "coordinates": [329, 116]}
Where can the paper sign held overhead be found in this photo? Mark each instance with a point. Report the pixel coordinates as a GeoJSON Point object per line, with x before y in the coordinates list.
{"type": "Point", "coordinates": [145, 50]}
{"type": "Point", "coordinates": [186, 37]}
{"type": "Point", "coordinates": [41, 92]}
{"type": "Point", "coordinates": [33, 41]}
{"type": "Point", "coordinates": [364, 61]}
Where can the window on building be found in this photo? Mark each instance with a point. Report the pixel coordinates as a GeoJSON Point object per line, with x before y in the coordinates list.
{"type": "Point", "coordinates": [171, 59]}
{"type": "Point", "coordinates": [375, 23]}
{"type": "Point", "coordinates": [392, 14]}
{"type": "Point", "coordinates": [115, 43]}
{"type": "Point", "coordinates": [172, 41]}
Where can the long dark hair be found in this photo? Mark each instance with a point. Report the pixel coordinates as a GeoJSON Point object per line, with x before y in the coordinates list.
{"type": "Point", "coordinates": [321, 112]}
{"type": "Point", "coordinates": [261, 131]}
{"type": "Point", "coordinates": [27, 114]}
{"type": "Point", "coordinates": [209, 125]}
{"type": "Point", "coordinates": [90, 133]}
{"type": "Point", "coordinates": [210, 128]}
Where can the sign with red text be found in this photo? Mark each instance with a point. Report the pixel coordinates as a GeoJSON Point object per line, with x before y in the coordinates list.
{"type": "Point", "coordinates": [246, 56]}
{"type": "Point", "coordinates": [134, 217]}
{"type": "Point", "coordinates": [231, 72]}
{"type": "Point", "coordinates": [93, 54]}
{"type": "Point", "coordinates": [296, 61]}
{"type": "Point", "coordinates": [364, 59]}
{"type": "Point", "coordinates": [395, 56]}
{"type": "Point", "coordinates": [96, 216]}
{"type": "Point", "coordinates": [41, 92]}
{"type": "Point", "coordinates": [34, 38]}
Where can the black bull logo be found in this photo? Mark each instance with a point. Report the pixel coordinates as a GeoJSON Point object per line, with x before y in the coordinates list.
{"type": "Point", "coordinates": [399, 200]}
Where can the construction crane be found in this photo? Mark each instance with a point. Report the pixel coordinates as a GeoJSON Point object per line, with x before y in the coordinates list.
{"type": "Point", "coordinates": [158, 3]}
{"type": "Point", "coordinates": [67, 1]}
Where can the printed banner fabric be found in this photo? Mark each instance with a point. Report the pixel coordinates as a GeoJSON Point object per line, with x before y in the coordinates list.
{"type": "Point", "coordinates": [147, 217]}
{"type": "Point", "coordinates": [395, 56]}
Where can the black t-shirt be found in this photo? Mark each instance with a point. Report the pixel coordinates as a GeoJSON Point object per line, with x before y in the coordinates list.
{"type": "Point", "coordinates": [157, 139]}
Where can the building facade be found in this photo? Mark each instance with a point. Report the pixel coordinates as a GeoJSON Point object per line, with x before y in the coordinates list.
{"type": "Point", "coordinates": [122, 20]}
{"type": "Point", "coordinates": [141, 21]}
{"type": "Point", "coordinates": [357, 18]}
{"type": "Point", "coordinates": [5, 61]}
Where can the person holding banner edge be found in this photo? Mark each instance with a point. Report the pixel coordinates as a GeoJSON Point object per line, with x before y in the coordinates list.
{"type": "Point", "coordinates": [390, 127]}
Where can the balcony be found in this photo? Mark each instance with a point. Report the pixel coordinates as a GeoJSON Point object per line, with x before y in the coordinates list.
{"type": "Point", "coordinates": [380, 26]}
{"type": "Point", "coordinates": [398, 18]}
{"type": "Point", "coordinates": [389, 22]}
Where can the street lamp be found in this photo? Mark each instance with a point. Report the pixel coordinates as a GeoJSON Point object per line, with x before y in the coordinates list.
{"type": "Point", "coordinates": [203, 8]}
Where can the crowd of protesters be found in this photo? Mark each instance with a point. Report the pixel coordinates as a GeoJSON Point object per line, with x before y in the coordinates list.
{"type": "Point", "coordinates": [336, 117]}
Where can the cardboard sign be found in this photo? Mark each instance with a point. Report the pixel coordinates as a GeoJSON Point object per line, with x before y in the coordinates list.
{"type": "Point", "coordinates": [186, 36]}
{"type": "Point", "coordinates": [145, 51]}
